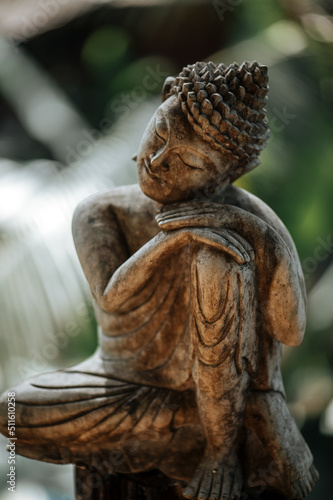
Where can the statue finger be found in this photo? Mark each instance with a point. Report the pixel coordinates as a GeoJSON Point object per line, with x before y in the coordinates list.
{"type": "Point", "coordinates": [314, 474]}
{"type": "Point", "coordinates": [303, 489]}
{"type": "Point", "coordinates": [307, 486]}
{"type": "Point", "coordinates": [174, 207]}
{"type": "Point", "coordinates": [236, 244]}
{"type": "Point", "coordinates": [191, 489]}
{"type": "Point", "coordinates": [187, 215]}
{"type": "Point", "coordinates": [206, 484]}
{"type": "Point", "coordinates": [193, 221]}
{"type": "Point", "coordinates": [243, 242]}
{"type": "Point", "coordinates": [217, 241]}
{"type": "Point", "coordinates": [298, 492]}
{"type": "Point", "coordinates": [228, 478]}
{"type": "Point", "coordinates": [215, 493]}
{"type": "Point", "coordinates": [237, 484]}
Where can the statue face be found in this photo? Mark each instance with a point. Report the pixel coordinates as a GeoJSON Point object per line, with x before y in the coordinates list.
{"type": "Point", "coordinates": [174, 163]}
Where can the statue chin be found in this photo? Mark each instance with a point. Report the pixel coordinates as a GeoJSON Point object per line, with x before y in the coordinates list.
{"type": "Point", "coordinates": [163, 194]}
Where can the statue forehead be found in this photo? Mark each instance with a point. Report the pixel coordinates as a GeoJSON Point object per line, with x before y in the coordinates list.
{"type": "Point", "coordinates": [180, 128]}
{"type": "Point", "coordinates": [172, 112]}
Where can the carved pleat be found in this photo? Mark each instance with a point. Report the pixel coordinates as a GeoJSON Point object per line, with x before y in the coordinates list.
{"type": "Point", "coordinates": [77, 407]}
{"type": "Point", "coordinates": [152, 338]}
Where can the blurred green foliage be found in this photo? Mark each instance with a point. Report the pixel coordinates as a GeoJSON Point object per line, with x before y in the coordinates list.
{"type": "Point", "coordinates": [104, 50]}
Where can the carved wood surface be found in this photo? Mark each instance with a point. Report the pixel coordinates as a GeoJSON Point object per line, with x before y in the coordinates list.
{"type": "Point", "coordinates": [196, 283]}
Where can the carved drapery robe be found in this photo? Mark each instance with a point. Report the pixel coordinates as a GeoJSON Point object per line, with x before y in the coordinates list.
{"type": "Point", "coordinates": [196, 314]}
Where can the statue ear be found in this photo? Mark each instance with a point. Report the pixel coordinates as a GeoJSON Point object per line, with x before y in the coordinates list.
{"type": "Point", "coordinates": [169, 81]}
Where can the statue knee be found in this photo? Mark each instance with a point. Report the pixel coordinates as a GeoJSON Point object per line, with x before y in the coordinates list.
{"type": "Point", "coordinates": [22, 402]}
{"type": "Point", "coordinates": [223, 327]}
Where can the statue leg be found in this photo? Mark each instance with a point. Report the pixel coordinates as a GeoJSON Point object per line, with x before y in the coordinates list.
{"type": "Point", "coordinates": [223, 306]}
{"type": "Point", "coordinates": [73, 416]}
{"type": "Point", "coordinates": [278, 456]}
{"type": "Point", "coordinates": [239, 387]}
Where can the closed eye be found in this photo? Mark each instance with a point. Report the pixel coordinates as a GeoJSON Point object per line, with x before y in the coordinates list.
{"type": "Point", "coordinates": [190, 166]}
{"type": "Point", "coordinates": [158, 135]}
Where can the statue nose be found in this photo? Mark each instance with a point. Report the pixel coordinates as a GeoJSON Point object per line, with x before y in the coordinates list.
{"type": "Point", "coordinates": [158, 164]}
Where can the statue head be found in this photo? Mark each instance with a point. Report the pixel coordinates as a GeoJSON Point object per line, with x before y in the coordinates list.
{"type": "Point", "coordinates": [209, 130]}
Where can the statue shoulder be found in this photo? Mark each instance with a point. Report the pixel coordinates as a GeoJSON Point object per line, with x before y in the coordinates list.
{"type": "Point", "coordinates": [251, 203]}
{"type": "Point", "coordinates": [109, 200]}
{"type": "Point", "coordinates": [111, 203]}
{"type": "Point", "coordinates": [123, 210]}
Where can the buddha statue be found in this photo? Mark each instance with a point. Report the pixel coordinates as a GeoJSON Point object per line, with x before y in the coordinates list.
{"type": "Point", "coordinates": [196, 283]}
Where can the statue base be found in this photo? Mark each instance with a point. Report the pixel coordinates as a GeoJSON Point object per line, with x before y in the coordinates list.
{"type": "Point", "coordinates": [92, 485]}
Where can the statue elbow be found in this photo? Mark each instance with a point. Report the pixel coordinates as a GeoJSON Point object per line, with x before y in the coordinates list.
{"type": "Point", "coordinates": [287, 328]}
{"type": "Point", "coordinates": [105, 302]}
{"type": "Point", "coordinates": [295, 338]}
{"type": "Point", "coordinates": [298, 324]}
{"type": "Point", "coordinates": [292, 332]}
{"type": "Point", "coordinates": [287, 316]}
{"type": "Point", "coordinates": [79, 221]}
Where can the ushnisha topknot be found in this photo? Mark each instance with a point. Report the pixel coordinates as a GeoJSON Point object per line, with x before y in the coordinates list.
{"type": "Point", "coordinates": [225, 106]}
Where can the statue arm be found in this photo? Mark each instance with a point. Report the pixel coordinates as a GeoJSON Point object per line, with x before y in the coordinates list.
{"type": "Point", "coordinates": [282, 295]}
{"type": "Point", "coordinates": [135, 272]}
{"type": "Point", "coordinates": [113, 274]}
{"type": "Point", "coordinates": [99, 242]}
{"type": "Point", "coordinates": [282, 298]}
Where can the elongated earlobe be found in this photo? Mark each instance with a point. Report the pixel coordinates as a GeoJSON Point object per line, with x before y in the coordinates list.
{"type": "Point", "coordinates": [169, 81]}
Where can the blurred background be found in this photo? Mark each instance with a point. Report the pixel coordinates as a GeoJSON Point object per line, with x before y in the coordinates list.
{"type": "Point", "coordinates": [79, 81]}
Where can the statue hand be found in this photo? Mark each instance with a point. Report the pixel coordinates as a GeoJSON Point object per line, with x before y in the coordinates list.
{"type": "Point", "coordinates": [223, 240]}
{"type": "Point", "coordinates": [190, 214]}
{"type": "Point", "coordinates": [215, 479]}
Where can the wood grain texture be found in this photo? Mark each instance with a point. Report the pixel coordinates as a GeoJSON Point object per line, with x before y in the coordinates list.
{"type": "Point", "coordinates": [196, 284]}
